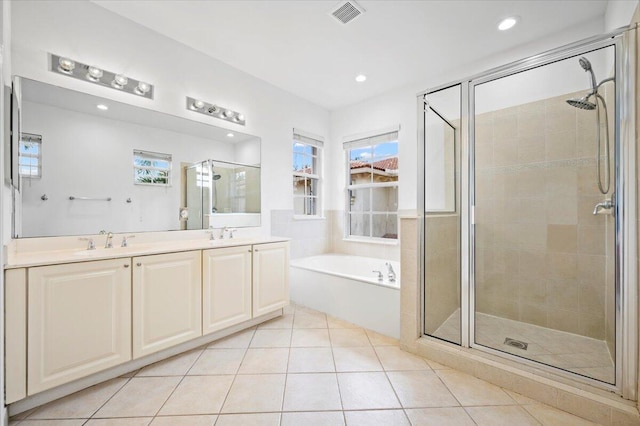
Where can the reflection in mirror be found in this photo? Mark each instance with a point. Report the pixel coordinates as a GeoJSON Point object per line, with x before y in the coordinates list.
{"type": "Point", "coordinates": [124, 166]}
{"type": "Point", "coordinates": [219, 194]}
{"type": "Point", "coordinates": [442, 218]}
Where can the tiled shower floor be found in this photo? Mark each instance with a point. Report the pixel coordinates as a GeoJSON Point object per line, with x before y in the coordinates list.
{"type": "Point", "coordinates": [583, 355]}
{"type": "Point", "coordinates": [301, 369]}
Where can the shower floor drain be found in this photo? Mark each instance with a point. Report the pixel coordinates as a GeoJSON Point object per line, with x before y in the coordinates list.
{"type": "Point", "coordinates": [516, 343]}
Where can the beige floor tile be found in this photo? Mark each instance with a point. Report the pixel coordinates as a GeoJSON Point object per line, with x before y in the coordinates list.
{"type": "Point", "coordinates": [309, 320]}
{"type": "Point", "coordinates": [376, 418]}
{"type": "Point", "coordinates": [74, 422]}
{"type": "Point", "coordinates": [324, 418]}
{"type": "Point", "coordinates": [255, 394]}
{"type": "Point", "coordinates": [311, 360]}
{"type": "Point", "coordinates": [259, 419]}
{"type": "Point", "coordinates": [130, 374]}
{"type": "Point", "coordinates": [271, 339]}
{"type": "Point", "coordinates": [198, 395]}
{"type": "Point", "coordinates": [80, 405]}
{"type": "Point", "coordinates": [378, 339]}
{"type": "Point", "coordinates": [395, 359]}
{"type": "Point", "coordinates": [362, 391]}
{"type": "Point", "coordinates": [501, 416]}
{"type": "Point", "coordinates": [356, 359]}
{"type": "Point", "coordinates": [174, 366]}
{"type": "Point", "coordinates": [289, 310]}
{"type": "Point", "coordinates": [348, 337]}
{"type": "Point", "coordinates": [184, 421]}
{"type": "Point", "coordinates": [445, 416]}
{"type": "Point", "coordinates": [309, 392]}
{"type": "Point", "coordinates": [131, 421]}
{"type": "Point", "coordinates": [521, 399]}
{"type": "Point", "coordinates": [140, 397]}
{"type": "Point", "coordinates": [217, 361]}
{"type": "Point", "coordinates": [285, 321]}
{"type": "Point", "coordinates": [338, 323]}
{"type": "Point", "coordinates": [471, 391]}
{"type": "Point", "coordinates": [265, 360]}
{"type": "Point", "coordinates": [421, 389]}
{"type": "Point", "coordinates": [23, 415]}
{"type": "Point", "coordinates": [310, 337]}
{"type": "Point", "coordinates": [549, 416]}
{"type": "Point", "coordinates": [238, 340]}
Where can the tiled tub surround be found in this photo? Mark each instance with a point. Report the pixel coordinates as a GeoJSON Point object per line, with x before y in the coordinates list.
{"type": "Point", "coordinates": [309, 236]}
{"type": "Point", "coordinates": [302, 368]}
{"type": "Point", "coordinates": [339, 244]}
{"type": "Point", "coordinates": [579, 399]}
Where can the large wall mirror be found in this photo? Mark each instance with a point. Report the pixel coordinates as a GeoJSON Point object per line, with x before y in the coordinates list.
{"type": "Point", "coordinates": [83, 164]}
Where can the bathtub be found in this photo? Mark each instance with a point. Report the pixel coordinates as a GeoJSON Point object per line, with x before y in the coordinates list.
{"type": "Point", "coordinates": [345, 287]}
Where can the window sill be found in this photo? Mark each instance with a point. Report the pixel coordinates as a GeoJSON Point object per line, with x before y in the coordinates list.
{"type": "Point", "coordinates": [304, 217]}
{"type": "Point", "coordinates": [379, 241]}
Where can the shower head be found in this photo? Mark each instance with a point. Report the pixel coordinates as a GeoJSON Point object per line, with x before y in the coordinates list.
{"type": "Point", "coordinates": [582, 103]}
{"type": "Point", "coordinates": [586, 65]}
{"type": "Point", "coordinates": [216, 176]}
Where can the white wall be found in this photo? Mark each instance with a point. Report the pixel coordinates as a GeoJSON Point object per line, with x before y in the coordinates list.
{"type": "Point", "coordinates": [399, 107]}
{"type": "Point", "coordinates": [86, 32]}
{"type": "Point", "coordinates": [619, 13]}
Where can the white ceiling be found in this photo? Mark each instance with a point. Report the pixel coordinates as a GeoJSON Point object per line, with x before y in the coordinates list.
{"type": "Point", "coordinates": [299, 47]}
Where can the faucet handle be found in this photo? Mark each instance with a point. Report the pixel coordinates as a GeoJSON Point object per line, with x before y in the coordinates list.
{"type": "Point", "coordinates": [231, 231]}
{"type": "Point", "coordinates": [210, 231]}
{"type": "Point", "coordinates": [91, 245]}
{"type": "Point", "coordinates": [380, 276]}
{"type": "Point", "coordinates": [125, 240]}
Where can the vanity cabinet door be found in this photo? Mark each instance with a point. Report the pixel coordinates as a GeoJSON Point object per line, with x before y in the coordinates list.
{"type": "Point", "coordinates": [79, 321]}
{"type": "Point", "coordinates": [226, 287]}
{"type": "Point", "coordinates": [270, 277]}
{"type": "Point", "coordinates": [167, 301]}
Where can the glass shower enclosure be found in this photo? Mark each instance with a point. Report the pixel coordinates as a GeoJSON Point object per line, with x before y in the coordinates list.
{"type": "Point", "coordinates": [528, 192]}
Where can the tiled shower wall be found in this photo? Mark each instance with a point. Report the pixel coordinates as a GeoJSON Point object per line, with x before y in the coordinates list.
{"type": "Point", "coordinates": [541, 254]}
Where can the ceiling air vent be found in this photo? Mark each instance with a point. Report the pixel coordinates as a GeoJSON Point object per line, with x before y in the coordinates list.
{"type": "Point", "coordinates": [346, 11]}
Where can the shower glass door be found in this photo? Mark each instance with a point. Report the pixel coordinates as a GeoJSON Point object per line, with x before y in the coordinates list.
{"type": "Point", "coordinates": [544, 185]}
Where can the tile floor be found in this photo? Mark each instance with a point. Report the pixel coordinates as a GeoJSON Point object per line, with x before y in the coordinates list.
{"type": "Point", "coordinates": [300, 369]}
{"type": "Point", "coordinates": [580, 354]}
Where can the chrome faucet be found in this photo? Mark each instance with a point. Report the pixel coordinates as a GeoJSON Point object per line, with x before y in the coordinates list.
{"type": "Point", "coordinates": [380, 277]}
{"type": "Point", "coordinates": [210, 232]}
{"type": "Point", "coordinates": [91, 245]}
{"type": "Point", "coordinates": [605, 205]}
{"type": "Point", "coordinates": [109, 242]}
{"type": "Point", "coordinates": [222, 232]}
{"type": "Point", "coordinates": [125, 240]}
{"type": "Point", "coordinates": [391, 273]}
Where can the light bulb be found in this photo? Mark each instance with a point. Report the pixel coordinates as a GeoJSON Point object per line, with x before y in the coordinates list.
{"type": "Point", "coordinates": [360, 78]}
{"type": "Point", "coordinates": [198, 104]}
{"type": "Point", "coordinates": [94, 74]}
{"type": "Point", "coordinates": [119, 81]}
{"type": "Point", "coordinates": [230, 135]}
{"type": "Point", "coordinates": [228, 113]}
{"type": "Point", "coordinates": [213, 109]}
{"type": "Point", "coordinates": [102, 107]}
{"type": "Point", "coordinates": [142, 88]}
{"type": "Point", "coordinates": [66, 65]}
{"type": "Point", "coordinates": [240, 117]}
{"type": "Point", "coordinates": [507, 23]}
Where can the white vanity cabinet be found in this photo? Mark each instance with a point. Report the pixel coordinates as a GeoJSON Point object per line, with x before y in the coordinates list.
{"type": "Point", "coordinates": [79, 321]}
{"type": "Point", "coordinates": [226, 287]}
{"type": "Point", "coordinates": [167, 301]}
{"type": "Point", "coordinates": [270, 277]}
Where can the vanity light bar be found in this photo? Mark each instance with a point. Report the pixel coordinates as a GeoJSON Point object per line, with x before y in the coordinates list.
{"type": "Point", "coordinates": [216, 111]}
{"type": "Point", "coordinates": [93, 74]}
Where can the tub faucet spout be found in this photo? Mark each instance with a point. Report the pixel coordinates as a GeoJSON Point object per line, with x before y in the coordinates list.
{"type": "Point", "coordinates": [391, 273]}
{"type": "Point", "coordinates": [380, 277]}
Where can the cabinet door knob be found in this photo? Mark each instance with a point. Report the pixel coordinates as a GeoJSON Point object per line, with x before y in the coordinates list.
{"type": "Point", "coordinates": [256, 250]}
{"type": "Point", "coordinates": [138, 264]}
{"type": "Point", "coordinates": [249, 250]}
{"type": "Point", "coordinates": [126, 266]}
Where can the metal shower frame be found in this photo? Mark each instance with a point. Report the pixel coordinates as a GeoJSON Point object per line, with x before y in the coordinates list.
{"type": "Point", "coordinates": [626, 240]}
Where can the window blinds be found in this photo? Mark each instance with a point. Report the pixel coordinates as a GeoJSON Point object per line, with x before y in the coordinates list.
{"type": "Point", "coordinates": [308, 138]}
{"type": "Point", "coordinates": [375, 139]}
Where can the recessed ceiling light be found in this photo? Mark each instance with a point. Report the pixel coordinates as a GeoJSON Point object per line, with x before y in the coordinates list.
{"type": "Point", "coordinates": [360, 78]}
{"type": "Point", "coordinates": [230, 135]}
{"type": "Point", "coordinates": [507, 23]}
{"type": "Point", "coordinates": [102, 107]}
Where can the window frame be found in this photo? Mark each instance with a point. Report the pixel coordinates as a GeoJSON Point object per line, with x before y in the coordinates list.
{"type": "Point", "coordinates": [32, 139]}
{"type": "Point", "coordinates": [372, 139]}
{"type": "Point", "coordinates": [317, 152]}
{"type": "Point", "coordinates": [150, 156]}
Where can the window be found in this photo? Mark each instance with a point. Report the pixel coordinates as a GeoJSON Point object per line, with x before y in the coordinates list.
{"type": "Point", "coordinates": [307, 174]}
{"type": "Point", "coordinates": [30, 156]}
{"type": "Point", "coordinates": [372, 186]}
{"type": "Point", "coordinates": [151, 168]}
